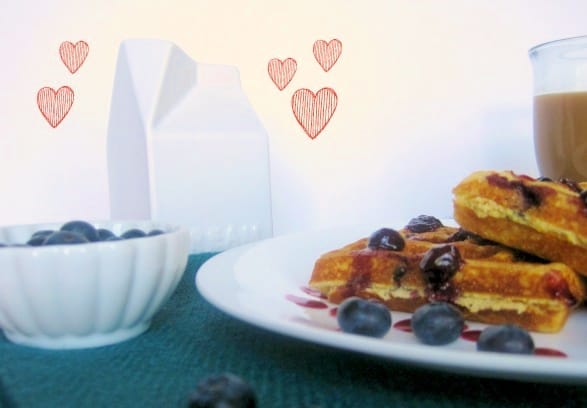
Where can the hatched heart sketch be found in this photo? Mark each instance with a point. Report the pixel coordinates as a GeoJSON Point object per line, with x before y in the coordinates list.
{"type": "Point", "coordinates": [312, 110]}
{"type": "Point", "coordinates": [282, 72]}
{"type": "Point", "coordinates": [327, 53]}
{"type": "Point", "coordinates": [55, 104]}
{"type": "Point", "coordinates": [73, 55]}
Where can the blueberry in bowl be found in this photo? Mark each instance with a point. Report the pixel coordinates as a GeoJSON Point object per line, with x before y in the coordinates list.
{"type": "Point", "coordinates": [66, 287]}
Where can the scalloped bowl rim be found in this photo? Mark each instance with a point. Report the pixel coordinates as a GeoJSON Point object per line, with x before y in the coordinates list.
{"type": "Point", "coordinates": [26, 230]}
{"type": "Point", "coordinates": [45, 302]}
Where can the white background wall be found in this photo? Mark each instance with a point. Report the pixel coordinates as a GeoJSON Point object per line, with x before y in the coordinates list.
{"type": "Point", "coordinates": [428, 91]}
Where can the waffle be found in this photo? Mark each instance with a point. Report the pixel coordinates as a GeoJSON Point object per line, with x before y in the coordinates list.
{"type": "Point", "coordinates": [545, 218]}
{"type": "Point", "coordinates": [492, 284]}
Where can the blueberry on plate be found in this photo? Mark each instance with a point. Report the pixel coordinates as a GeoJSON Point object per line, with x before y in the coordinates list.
{"type": "Point", "coordinates": [65, 237]}
{"type": "Point", "coordinates": [223, 390]}
{"type": "Point", "coordinates": [386, 238]}
{"type": "Point", "coordinates": [133, 233]}
{"type": "Point", "coordinates": [437, 323]}
{"type": "Point", "coordinates": [155, 232]}
{"type": "Point", "coordinates": [364, 317]}
{"type": "Point", "coordinates": [82, 227]}
{"type": "Point", "coordinates": [506, 338]}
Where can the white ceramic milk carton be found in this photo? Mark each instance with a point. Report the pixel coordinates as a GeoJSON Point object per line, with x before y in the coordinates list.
{"type": "Point", "coordinates": [185, 146]}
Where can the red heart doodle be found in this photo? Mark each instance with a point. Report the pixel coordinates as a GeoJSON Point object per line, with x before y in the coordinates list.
{"type": "Point", "coordinates": [54, 105]}
{"type": "Point", "coordinates": [327, 53]}
{"type": "Point", "coordinates": [73, 55]}
{"type": "Point", "coordinates": [282, 72]}
{"type": "Point", "coordinates": [314, 111]}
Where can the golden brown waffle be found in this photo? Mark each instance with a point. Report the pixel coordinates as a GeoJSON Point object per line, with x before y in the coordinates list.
{"type": "Point", "coordinates": [545, 218]}
{"type": "Point", "coordinates": [492, 284]}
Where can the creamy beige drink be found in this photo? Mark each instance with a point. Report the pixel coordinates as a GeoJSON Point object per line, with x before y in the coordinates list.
{"type": "Point", "coordinates": [560, 107]}
{"type": "Point", "coordinates": [560, 134]}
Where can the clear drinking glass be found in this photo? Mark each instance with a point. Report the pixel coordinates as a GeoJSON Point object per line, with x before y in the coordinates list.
{"type": "Point", "coordinates": [560, 107]}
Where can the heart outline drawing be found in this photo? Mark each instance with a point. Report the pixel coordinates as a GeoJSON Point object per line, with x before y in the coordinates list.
{"type": "Point", "coordinates": [282, 72]}
{"type": "Point", "coordinates": [55, 105]}
{"type": "Point", "coordinates": [312, 110]}
{"type": "Point", "coordinates": [73, 55]}
{"type": "Point", "coordinates": [327, 53]}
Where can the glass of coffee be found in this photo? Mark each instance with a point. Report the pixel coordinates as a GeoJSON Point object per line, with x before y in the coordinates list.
{"type": "Point", "coordinates": [560, 108]}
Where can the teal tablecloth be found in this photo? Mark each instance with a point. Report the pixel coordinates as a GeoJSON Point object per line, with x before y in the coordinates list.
{"type": "Point", "coordinates": [190, 339]}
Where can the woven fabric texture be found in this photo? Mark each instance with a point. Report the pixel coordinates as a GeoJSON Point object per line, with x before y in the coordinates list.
{"type": "Point", "coordinates": [189, 340]}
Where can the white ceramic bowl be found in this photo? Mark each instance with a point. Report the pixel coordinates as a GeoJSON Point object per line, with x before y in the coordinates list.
{"type": "Point", "coordinates": [87, 295]}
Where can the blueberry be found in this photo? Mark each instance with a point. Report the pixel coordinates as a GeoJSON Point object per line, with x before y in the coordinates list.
{"type": "Point", "coordinates": [463, 235]}
{"type": "Point", "coordinates": [223, 390]}
{"type": "Point", "coordinates": [104, 234]}
{"type": "Point", "coordinates": [42, 233]}
{"type": "Point", "coordinates": [155, 232]}
{"type": "Point", "coordinates": [437, 323]}
{"type": "Point", "coordinates": [38, 237]}
{"type": "Point", "coordinates": [36, 241]}
{"type": "Point", "coordinates": [386, 238]}
{"type": "Point", "coordinates": [133, 233]}
{"type": "Point", "coordinates": [459, 235]}
{"type": "Point", "coordinates": [82, 227]}
{"type": "Point", "coordinates": [506, 338]}
{"type": "Point", "coordinates": [532, 197]}
{"type": "Point", "coordinates": [570, 183]}
{"type": "Point", "coordinates": [65, 237]}
{"type": "Point", "coordinates": [440, 263]}
{"type": "Point", "coordinates": [424, 223]}
{"type": "Point", "coordinates": [365, 317]}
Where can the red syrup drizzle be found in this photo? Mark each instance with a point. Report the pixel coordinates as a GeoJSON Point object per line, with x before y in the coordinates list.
{"type": "Point", "coordinates": [404, 325]}
{"type": "Point", "coordinates": [310, 303]}
{"type": "Point", "coordinates": [471, 335]}
{"type": "Point", "coordinates": [548, 352]}
{"type": "Point", "coordinates": [312, 292]}
{"type": "Point", "coordinates": [558, 288]}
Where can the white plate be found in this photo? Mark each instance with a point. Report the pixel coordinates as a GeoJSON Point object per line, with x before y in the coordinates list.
{"type": "Point", "coordinates": [264, 283]}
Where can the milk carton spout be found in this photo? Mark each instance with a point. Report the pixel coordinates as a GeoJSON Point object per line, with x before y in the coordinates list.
{"type": "Point", "coordinates": [186, 146]}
